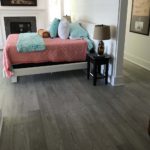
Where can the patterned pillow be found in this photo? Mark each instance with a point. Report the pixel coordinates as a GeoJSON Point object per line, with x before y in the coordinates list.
{"type": "Point", "coordinates": [54, 28]}
{"type": "Point", "coordinates": [63, 29]}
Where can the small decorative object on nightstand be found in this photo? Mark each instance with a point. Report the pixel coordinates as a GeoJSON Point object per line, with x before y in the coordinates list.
{"type": "Point", "coordinates": [101, 32]}
{"type": "Point", "coordinates": [97, 61]}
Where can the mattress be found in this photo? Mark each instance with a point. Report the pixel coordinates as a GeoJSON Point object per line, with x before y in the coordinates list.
{"type": "Point", "coordinates": [57, 50]}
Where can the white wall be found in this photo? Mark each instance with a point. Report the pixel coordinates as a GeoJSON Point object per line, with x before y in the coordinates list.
{"type": "Point", "coordinates": [108, 12]}
{"type": "Point", "coordinates": [137, 46]}
{"type": "Point", "coordinates": [95, 11]}
{"type": "Point", "coordinates": [54, 9]}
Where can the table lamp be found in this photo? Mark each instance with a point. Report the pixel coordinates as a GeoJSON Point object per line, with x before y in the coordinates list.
{"type": "Point", "coordinates": [101, 32]}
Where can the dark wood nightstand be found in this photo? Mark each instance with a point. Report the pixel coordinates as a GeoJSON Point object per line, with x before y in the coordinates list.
{"type": "Point", "coordinates": [97, 61]}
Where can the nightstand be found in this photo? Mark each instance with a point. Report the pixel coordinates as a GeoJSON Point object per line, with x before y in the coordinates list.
{"type": "Point", "coordinates": [97, 61]}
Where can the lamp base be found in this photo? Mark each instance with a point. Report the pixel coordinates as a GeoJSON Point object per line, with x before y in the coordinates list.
{"type": "Point", "coordinates": [101, 48]}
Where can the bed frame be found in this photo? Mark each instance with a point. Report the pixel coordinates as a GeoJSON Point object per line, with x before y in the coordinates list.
{"type": "Point", "coordinates": [47, 69]}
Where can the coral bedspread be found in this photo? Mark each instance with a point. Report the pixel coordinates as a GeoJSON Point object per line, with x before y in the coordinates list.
{"type": "Point", "coordinates": [57, 50]}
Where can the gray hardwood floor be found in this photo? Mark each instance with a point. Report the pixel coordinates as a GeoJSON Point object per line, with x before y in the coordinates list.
{"type": "Point", "coordinates": [64, 111]}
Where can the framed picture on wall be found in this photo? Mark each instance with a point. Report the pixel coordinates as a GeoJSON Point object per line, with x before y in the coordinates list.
{"type": "Point", "coordinates": [19, 2]}
{"type": "Point", "coordinates": [140, 17]}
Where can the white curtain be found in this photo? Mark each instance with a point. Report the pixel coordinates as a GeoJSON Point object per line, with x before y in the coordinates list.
{"type": "Point", "coordinates": [67, 7]}
{"type": "Point", "coordinates": [59, 8]}
{"type": "Point", "coordinates": [55, 9]}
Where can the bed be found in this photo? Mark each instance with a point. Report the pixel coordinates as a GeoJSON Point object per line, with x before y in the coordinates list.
{"type": "Point", "coordinates": [60, 55]}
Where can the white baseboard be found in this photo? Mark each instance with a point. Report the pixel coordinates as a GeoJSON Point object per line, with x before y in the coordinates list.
{"type": "Point", "coordinates": [138, 61]}
{"type": "Point", "coordinates": [117, 81]}
{"type": "Point", "coordinates": [1, 121]}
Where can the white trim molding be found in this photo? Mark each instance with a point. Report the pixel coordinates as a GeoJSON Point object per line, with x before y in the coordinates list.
{"type": "Point", "coordinates": [117, 81]}
{"type": "Point", "coordinates": [138, 61]}
{"type": "Point", "coordinates": [117, 75]}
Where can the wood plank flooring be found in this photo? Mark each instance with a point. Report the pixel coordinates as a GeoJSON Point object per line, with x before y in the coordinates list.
{"type": "Point", "coordinates": [64, 111]}
{"type": "Point", "coordinates": [1, 121]}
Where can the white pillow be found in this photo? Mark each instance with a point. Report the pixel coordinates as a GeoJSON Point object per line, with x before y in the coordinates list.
{"type": "Point", "coordinates": [63, 29]}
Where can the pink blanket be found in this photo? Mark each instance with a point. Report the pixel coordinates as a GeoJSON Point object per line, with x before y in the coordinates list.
{"type": "Point", "coordinates": [57, 50]}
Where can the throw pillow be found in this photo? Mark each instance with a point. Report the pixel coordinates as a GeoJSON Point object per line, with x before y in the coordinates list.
{"type": "Point", "coordinates": [63, 29]}
{"type": "Point", "coordinates": [76, 31]}
{"type": "Point", "coordinates": [54, 28]}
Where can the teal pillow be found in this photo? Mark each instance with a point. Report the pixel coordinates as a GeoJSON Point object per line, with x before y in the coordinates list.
{"type": "Point", "coordinates": [54, 28]}
{"type": "Point", "coordinates": [76, 31]}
